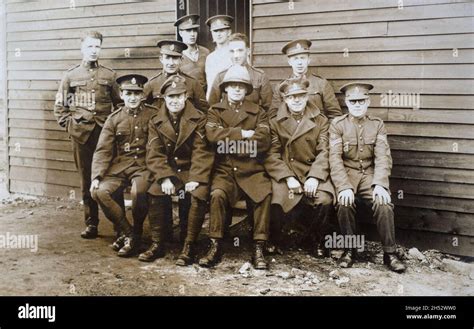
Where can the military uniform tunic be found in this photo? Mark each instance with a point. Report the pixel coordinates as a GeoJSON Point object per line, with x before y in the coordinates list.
{"type": "Point", "coordinates": [196, 67]}
{"type": "Point", "coordinates": [359, 159]}
{"type": "Point", "coordinates": [299, 149]}
{"type": "Point", "coordinates": [238, 175]}
{"type": "Point", "coordinates": [119, 161]}
{"type": "Point", "coordinates": [86, 96]}
{"type": "Point", "coordinates": [321, 95]}
{"type": "Point", "coordinates": [178, 149]}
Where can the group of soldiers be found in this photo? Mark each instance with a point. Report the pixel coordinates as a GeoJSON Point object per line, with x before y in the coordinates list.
{"type": "Point", "coordinates": [161, 137]}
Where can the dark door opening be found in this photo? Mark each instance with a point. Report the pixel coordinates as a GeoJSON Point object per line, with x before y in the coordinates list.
{"type": "Point", "coordinates": [239, 9]}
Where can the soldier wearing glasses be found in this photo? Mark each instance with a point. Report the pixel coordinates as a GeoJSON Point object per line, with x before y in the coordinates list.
{"type": "Point", "coordinates": [360, 164]}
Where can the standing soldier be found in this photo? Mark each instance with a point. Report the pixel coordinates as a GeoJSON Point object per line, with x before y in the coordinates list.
{"type": "Point", "coordinates": [321, 95]}
{"type": "Point", "coordinates": [194, 57]}
{"type": "Point", "coordinates": [239, 52]}
{"type": "Point", "coordinates": [219, 60]}
{"type": "Point", "coordinates": [119, 161]}
{"type": "Point", "coordinates": [171, 57]}
{"type": "Point", "coordinates": [181, 161]}
{"type": "Point", "coordinates": [86, 96]}
{"type": "Point", "coordinates": [298, 163]}
{"type": "Point", "coordinates": [238, 173]}
{"type": "Point", "coordinates": [360, 163]}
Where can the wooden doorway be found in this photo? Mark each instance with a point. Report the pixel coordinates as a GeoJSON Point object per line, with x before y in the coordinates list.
{"type": "Point", "coordinates": [239, 9]}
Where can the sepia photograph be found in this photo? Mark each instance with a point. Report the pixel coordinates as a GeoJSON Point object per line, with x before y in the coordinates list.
{"type": "Point", "coordinates": [318, 151]}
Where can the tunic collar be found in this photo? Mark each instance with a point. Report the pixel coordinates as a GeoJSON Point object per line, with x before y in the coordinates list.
{"type": "Point", "coordinates": [234, 106]}
{"type": "Point", "coordinates": [358, 120]}
{"type": "Point", "coordinates": [303, 76]}
{"type": "Point", "coordinates": [90, 65]}
{"type": "Point", "coordinates": [192, 54]}
{"type": "Point", "coordinates": [133, 111]}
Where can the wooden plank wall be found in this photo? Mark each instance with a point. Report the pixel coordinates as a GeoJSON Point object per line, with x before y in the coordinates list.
{"type": "Point", "coordinates": [427, 48]}
{"type": "Point", "coordinates": [3, 72]}
{"type": "Point", "coordinates": [42, 42]}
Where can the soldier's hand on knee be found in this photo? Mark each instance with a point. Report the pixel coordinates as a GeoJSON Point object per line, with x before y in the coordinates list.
{"type": "Point", "coordinates": [167, 186]}
{"type": "Point", "coordinates": [346, 197]}
{"type": "Point", "coordinates": [94, 185]}
{"type": "Point", "coordinates": [191, 186]}
{"type": "Point", "coordinates": [247, 133]}
{"type": "Point", "coordinates": [310, 187]}
{"type": "Point", "coordinates": [380, 195]}
{"type": "Point", "coordinates": [293, 184]}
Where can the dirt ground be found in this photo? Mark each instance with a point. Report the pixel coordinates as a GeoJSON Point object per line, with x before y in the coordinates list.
{"type": "Point", "coordinates": [65, 264]}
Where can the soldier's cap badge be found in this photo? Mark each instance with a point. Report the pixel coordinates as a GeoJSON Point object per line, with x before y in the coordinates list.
{"type": "Point", "coordinates": [131, 81]}
{"type": "Point", "coordinates": [356, 90]}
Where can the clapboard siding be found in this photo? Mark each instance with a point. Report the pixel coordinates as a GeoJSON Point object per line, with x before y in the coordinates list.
{"type": "Point", "coordinates": [443, 41]}
{"type": "Point", "coordinates": [2, 123]}
{"type": "Point", "coordinates": [2, 82]}
{"type": "Point", "coordinates": [276, 8]}
{"type": "Point", "coordinates": [43, 42]}
{"type": "Point", "coordinates": [91, 11]}
{"type": "Point", "coordinates": [427, 48]}
{"type": "Point", "coordinates": [363, 16]}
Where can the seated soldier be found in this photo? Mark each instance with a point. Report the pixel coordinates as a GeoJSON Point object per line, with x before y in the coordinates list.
{"type": "Point", "coordinates": [360, 164]}
{"type": "Point", "coordinates": [119, 160]}
{"type": "Point", "coordinates": [298, 163]}
{"type": "Point", "coordinates": [180, 160]}
{"type": "Point", "coordinates": [240, 133]}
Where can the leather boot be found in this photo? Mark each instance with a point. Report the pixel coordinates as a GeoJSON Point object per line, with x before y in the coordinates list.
{"type": "Point", "coordinates": [156, 250]}
{"type": "Point", "coordinates": [258, 259]}
{"type": "Point", "coordinates": [187, 255]}
{"type": "Point", "coordinates": [90, 232]}
{"type": "Point", "coordinates": [393, 263]}
{"type": "Point", "coordinates": [347, 259]}
{"type": "Point", "coordinates": [129, 248]}
{"type": "Point", "coordinates": [320, 251]}
{"type": "Point", "coordinates": [213, 255]}
{"type": "Point", "coordinates": [118, 243]}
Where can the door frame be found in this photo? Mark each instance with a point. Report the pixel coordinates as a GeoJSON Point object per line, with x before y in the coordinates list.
{"type": "Point", "coordinates": [182, 8]}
